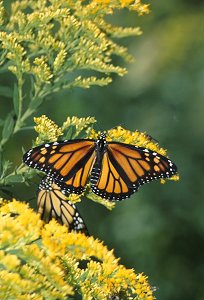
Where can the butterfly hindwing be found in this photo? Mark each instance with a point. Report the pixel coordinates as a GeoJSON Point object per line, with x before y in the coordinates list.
{"type": "Point", "coordinates": [52, 203]}
{"type": "Point", "coordinates": [107, 181]}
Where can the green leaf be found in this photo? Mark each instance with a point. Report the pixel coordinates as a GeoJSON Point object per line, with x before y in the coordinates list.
{"type": "Point", "coordinates": [38, 242]}
{"type": "Point", "coordinates": [6, 91]}
{"type": "Point", "coordinates": [68, 135]}
{"type": "Point", "coordinates": [16, 99]}
{"type": "Point", "coordinates": [35, 104]}
{"type": "Point", "coordinates": [8, 127]}
{"type": "Point", "coordinates": [7, 164]}
{"type": "Point", "coordinates": [14, 178]}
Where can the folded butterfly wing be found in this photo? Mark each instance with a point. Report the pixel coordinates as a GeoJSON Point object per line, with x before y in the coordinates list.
{"type": "Point", "coordinates": [52, 203]}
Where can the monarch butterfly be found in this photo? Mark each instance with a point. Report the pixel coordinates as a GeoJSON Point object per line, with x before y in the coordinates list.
{"type": "Point", "coordinates": [52, 203]}
{"type": "Point", "coordinates": [116, 170]}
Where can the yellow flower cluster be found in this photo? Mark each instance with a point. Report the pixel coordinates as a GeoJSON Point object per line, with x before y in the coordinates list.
{"type": "Point", "coordinates": [79, 124]}
{"type": "Point", "coordinates": [15, 52]}
{"type": "Point", "coordinates": [47, 130]}
{"type": "Point", "coordinates": [37, 279]}
{"type": "Point", "coordinates": [45, 262]}
{"type": "Point", "coordinates": [136, 138]}
{"type": "Point", "coordinates": [47, 39]}
{"type": "Point", "coordinates": [3, 14]}
{"type": "Point", "coordinates": [85, 83]}
{"type": "Point", "coordinates": [136, 5]}
{"type": "Point", "coordinates": [42, 70]}
{"type": "Point", "coordinates": [97, 5]}
{"type": "Point", "coordinates": [21, 230]}
{"type": "Point", "coordinates": [59, 60]}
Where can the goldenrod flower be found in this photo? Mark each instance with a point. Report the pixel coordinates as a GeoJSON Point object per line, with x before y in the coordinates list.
{"type": "Point", "coordinates": [136, 138]}
{"type": "Point", "coordinates": [79, 123]}
{"type": "Point", "coordinates": [74, 198]}
{"type": "Point", "coordinates": [47, 129]}
{"type": "Point", "coordinates": [47, 264]}
{"type": "Point", "coordinates": [59, 60]}
{"type": "Point", "coordinates": [3, 14]}
{"type": "Point", "coordinates": [82, 40]}
{"type": "Point", "coordinates": [10, 261]}
{"type": "Point", "coordinates": [42, 70]}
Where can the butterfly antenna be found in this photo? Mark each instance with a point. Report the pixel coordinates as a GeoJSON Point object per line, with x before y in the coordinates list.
{"type": "Point", "coordinates": [151, 138]}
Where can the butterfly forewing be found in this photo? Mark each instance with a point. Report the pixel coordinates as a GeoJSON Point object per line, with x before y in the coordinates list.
{"type": "Point", "coordinates": [69, 162]}
{"type": "Point", "coordinates": [140, 165]}
{"type": "Point", "coordinates": [52, 203]}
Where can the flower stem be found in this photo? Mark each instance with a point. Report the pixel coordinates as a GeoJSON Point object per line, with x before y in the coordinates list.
{"type": "Point", "coordinates": [19, 122]}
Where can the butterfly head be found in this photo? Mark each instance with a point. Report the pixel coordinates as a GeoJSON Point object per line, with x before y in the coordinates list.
{"type": "Point", "coordinates": [101, 142]}
{"type": "Point", "coordinates": [102, 136]}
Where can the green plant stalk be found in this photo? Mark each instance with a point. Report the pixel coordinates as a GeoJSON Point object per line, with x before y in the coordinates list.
{"type": "Point", "coordinates": [19, 123]}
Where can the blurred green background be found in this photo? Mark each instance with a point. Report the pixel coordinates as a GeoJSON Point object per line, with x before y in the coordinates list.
{"type": "Point", "coordinates": [159, 230]}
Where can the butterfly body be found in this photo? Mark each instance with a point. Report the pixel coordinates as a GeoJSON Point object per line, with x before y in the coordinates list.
{"type": "Point", "coordinates": [101, 146]}
{"type": "Point", "coordinates": [115, 170]}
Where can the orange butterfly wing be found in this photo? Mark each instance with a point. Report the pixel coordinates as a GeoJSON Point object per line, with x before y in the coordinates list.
{"type": "Point", "coordinates": [69, 162]}
{"type": "Point", "coordinates": [107, 182]}
{"type": "Point", "coordinates": [124, 168]}
{"type": "Point", "coordinates": [52, 203]}
{"type": "Point", "coordinates": [117, 169]}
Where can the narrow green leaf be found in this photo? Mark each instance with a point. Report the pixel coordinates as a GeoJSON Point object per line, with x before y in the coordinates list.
{"type": "Point", "coordinates": [34, 104]}
{"type": "Point", "coordinates": [14, 178]}
{"type": "Point", "coordinates": [68, 135]}
{"type": "Point", "coordinates": [16, 99]}
{"type": "Point", "coordinates": [5, 166]}
{"type": "Point", "coordinates": [8, 127]}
